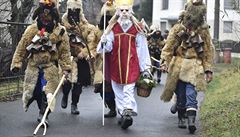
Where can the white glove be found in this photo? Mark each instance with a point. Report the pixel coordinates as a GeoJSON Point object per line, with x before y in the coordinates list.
{"type": "Point", "coordinates": [49, 98]}
{"type": "Point", "coordinates": [104, 38]}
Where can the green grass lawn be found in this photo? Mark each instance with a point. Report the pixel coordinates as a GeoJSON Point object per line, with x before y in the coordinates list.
{"type": "Point", "coordinates": [220, 111]}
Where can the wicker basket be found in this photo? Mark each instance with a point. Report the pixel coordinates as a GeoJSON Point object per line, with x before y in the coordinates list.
{"type": "Point", "coordinates": [143, 91]}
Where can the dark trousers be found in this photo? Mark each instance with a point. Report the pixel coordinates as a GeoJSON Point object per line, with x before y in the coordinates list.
{"type": "Point", "coordinates": [38, 93]}
{"type": "Point", "coordinates": [159, 73]}
{"type": "Point", "coordinates": [84, 79]}
{"type": "Point", "coordinates": [76, 91]}
{"type": "Point", "coordinates": [186, 95]}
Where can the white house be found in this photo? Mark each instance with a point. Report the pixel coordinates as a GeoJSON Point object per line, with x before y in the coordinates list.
{"type": "Point", "coordinates": [166, 12]}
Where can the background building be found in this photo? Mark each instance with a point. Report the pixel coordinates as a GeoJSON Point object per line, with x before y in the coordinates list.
{"type": "Point", "coordinates": [166, 12]}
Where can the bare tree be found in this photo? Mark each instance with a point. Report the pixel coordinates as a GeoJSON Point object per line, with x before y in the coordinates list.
{"type": "Point", "coordinates": [19, 11]}
{"type": "Point", "coordinates": [18, 14]}
{"type": "Point", "coordinates": [14, 11]}
{"type": "Point", "coordinates": [92, 13]}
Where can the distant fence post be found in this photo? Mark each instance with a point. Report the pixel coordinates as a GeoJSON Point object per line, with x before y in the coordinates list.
{"type": "Point", "coordinates": [227, 55]}
{"type": "Point", "coordinates": [217, 58]}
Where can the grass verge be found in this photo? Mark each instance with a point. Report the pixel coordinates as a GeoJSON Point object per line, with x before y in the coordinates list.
{"type": "Point", "coordinates": [220, 111]}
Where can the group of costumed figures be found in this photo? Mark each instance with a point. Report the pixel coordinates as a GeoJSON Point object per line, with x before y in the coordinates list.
{"type": "Point", "coordinates": [73, 47]}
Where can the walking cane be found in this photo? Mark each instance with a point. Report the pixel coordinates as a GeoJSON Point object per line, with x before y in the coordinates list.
{"type": "Point", "coordinates": [42, 123]}
{"type": "Point", "coordinates": [103, 44]}
{"type": "Point", "coordinates": [155, 59]}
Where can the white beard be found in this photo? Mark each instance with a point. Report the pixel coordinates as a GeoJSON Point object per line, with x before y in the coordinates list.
{"type": "Point", "coordinates": [124, 22]}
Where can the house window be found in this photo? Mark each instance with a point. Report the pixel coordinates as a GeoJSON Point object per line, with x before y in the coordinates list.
{"type": "Point", "coordinates": [236, 4]}
{"type": "Point", "coordinates": [227, 26]}
{"type": "Point", "coordinates": [164, 4]}
{"type": "Point", "coordinates": [229, 4]}
{"type": "Point", "coordinates": [163, 25]}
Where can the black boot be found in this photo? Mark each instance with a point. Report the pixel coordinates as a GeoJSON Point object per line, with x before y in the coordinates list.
{"type": "Point", "coordinates": [158, 80]}
{"type": "Point", "coordinates": [74, 109]}
{"type": "Point", "coordinates": [66, 89]}
{"type": "Point", "coordinates": [173, 108]}
{"type": "Point", "coordinates": [126, 119]}
{"type": "Point", "coordinates": [181, 118]}
{"type": "Point", "coordinates": [76, 91]}
{"type": "Point", "coordinates": [112, 106]}
{"type": "Point", "coordinates": [191, 121]}
{"type": "Point", "coordinates": [98, 88]}
{"type": "Point", "coordinates": [64, 101]}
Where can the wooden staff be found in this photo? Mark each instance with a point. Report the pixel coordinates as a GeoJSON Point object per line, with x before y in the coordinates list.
{"type": "Point", "coordinates": [103, 103]}
{"type": "Point", "coordinates": [42, 123]}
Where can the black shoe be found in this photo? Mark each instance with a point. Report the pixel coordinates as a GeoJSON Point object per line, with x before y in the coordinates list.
{"type": "Point", "coordinates": [158, 80]}
{"type": "Point", "coordinates": [126, 122]}
{"type": "Point", "coordinates": [64, 101]}
{"type": "Point", "coordinates": [173, 108]}
{"type": "Point", "coordinates": [97, 88]}
{"type": "Point", "coordinates": [110, 114]}
{"type": "Point", "coordinates": [39, 117]}
{"type": "Point", "coordinates": [74, 110]}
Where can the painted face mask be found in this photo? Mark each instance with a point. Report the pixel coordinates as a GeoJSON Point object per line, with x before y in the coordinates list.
{"type": "Point", "coordinates": [73, 16]}
{"type": "Point", "coordinates": [47, 17]}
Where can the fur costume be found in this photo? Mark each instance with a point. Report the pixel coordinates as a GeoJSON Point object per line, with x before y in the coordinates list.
{"type": "Point", "coordinates": [156, 42]}
{"type": "Point", "coordinates": [46, 59]}
{"type": "Point", "coordinates": [85, 30]}
{"type": "Point", "coordinates": [187, 62]}
{"type": "Point", "coordinates": [110, 11]}
{"type": "Point", "coordinates": [155, 45]}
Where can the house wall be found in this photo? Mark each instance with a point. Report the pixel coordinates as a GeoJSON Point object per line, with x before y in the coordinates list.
{"type": "Point", "coordinates": [170, 16]}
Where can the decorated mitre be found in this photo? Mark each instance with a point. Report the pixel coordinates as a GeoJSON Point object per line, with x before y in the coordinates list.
{"type": "Point", "coordinates": [124, 3]}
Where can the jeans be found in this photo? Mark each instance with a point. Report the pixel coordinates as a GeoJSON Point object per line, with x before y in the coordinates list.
{"type": "Point", "coordinates": [186, 95]}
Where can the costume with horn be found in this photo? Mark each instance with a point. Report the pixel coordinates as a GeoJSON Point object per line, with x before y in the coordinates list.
{"type": "Point", "coordinates": [82, 43]}
{"type": "Point", "coordinates": [188, 55]}
{"type": "Point", "coordinates": [125, 40]}
{"type": "Point", "coordinates": [46, 45]}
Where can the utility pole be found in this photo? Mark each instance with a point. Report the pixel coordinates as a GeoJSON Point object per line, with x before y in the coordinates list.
{"type": "Point", "coordinates": [216, 31]}
{"type": "Point", "coordinates": [216, 21]}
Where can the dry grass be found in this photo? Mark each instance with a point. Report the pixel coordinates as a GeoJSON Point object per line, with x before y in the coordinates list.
{"type": "Point", "coordinates": [220, 112]}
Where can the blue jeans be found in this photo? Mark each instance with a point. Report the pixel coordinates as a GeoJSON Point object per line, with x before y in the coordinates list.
{"type": "Point", "coordinates": [186, 95]}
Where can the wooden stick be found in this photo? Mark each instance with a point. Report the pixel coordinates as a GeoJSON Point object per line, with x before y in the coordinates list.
{"type": "Point", "coordinates": [155, 59]}
{"type": "Point", "coordinates": [47, 109]}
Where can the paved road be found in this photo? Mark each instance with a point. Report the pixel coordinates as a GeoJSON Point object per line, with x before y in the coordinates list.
{"type": "Point", "coordinates": [154, 119]}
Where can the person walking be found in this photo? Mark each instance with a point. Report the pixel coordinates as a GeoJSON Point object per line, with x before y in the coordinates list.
{"type": "Point", "coordinates": [45, 44]}
{"type": "Point", "coordinates": [82, 41]}
{"type": "Point", "coordinates": [188, 59]}
{"type": "Point", "coordinates": [125, 40]}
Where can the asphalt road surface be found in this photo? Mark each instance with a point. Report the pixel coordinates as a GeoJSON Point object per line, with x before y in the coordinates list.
{"type": "Point", "coordinates": [154, 119]}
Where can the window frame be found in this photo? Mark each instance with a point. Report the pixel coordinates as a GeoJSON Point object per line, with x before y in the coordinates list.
{"type": "Point", "coordinates": [227, 28]}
